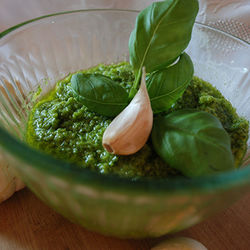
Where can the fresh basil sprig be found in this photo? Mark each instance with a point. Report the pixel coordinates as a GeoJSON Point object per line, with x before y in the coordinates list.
{"type": "Point", "coordinates": [167, 85]}
{"type": "Point", "coordinates": [194, 142]}
{"type": "Point", "coordinates": [99, 93]}
{"type": "Point", "coordinates": [162, 32]}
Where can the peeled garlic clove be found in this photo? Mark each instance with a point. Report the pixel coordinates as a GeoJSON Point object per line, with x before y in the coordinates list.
{"type": "Point", "coordinates": [180, 243]}
{"type": "Point", "coordinates": [129, 131]}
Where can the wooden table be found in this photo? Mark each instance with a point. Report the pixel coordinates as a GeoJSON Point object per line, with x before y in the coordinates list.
{"type": "Point", "coordinates": [26, 223]}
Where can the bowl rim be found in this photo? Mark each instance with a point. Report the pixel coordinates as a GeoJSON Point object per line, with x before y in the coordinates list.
{"type": "Point", "coordinates": [58, 168]}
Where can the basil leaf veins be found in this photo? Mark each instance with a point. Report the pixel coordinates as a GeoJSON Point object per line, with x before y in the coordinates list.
{"type": "Point", "coordinates": [99, 93]}
{"type": "Point", "coordinates": [162, 31]}
{"type": "Point", "coordinates": [167, 85]}
{"type": "Point", "coordinates": [193, 142]}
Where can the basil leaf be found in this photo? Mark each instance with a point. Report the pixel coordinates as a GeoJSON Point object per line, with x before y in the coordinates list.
{"type": "Point", "coordinates": [99, 93]}
{"type": "Point", "coordinates": [167, 85]}
{"type": "Point", "coordinates": [194, 142]}
{"type": "Point", "coordinates": [162, 31]}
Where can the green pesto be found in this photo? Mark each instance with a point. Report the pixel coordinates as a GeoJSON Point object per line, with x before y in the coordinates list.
{"type": "Point", "coordinates": [61, 126]}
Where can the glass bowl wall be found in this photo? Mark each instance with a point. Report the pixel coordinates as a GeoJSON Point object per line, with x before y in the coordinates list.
{"type": "Point", "coordinates": [44, 50]}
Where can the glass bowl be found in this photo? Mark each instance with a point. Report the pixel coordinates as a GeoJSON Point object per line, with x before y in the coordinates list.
{"type": "Point", "coordinates": [42, 51]}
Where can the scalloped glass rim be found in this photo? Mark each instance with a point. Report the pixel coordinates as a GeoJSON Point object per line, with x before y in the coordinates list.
{"type": "Point", "coordinates": [67, 171]}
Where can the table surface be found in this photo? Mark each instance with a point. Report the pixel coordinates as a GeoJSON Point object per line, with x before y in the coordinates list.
{"type": "Point", "coordinates": [27, 223]}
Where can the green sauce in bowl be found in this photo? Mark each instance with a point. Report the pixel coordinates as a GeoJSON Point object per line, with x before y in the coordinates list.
{"type": "Point", "coordinates": [66, 129]}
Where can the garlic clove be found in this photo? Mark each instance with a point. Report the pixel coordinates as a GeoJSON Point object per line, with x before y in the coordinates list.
{"type": "Point", "coordinates": [180, 243]}
{"type": "Point", "coordinates": [130, 130]}
{"type": "Point", "coordinates": [9, 181]}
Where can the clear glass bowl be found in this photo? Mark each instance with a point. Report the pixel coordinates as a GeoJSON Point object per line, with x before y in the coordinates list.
{"type": "Point", "coordinates": [42, 51]}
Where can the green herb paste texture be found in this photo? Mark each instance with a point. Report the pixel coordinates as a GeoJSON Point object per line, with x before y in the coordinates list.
{"type": "Point", "coordinates": [64, 128]}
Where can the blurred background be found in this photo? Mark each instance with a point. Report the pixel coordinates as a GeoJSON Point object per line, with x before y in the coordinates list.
{"type": "Point", "coordinates": [232, 16]}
